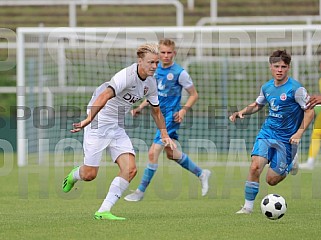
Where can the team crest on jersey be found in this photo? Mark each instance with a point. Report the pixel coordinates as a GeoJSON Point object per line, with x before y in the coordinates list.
{"type": "Point", "coordinates": [145, 90]}
{"type": "Point", "coordinates": [170, 76]}
{"type": "Point", "coordinates": [283, 97]}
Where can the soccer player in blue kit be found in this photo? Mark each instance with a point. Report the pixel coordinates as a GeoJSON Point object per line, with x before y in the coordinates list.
{"type": "Point", "coordinates": [171, 79]}
{"type": "Point", "coordinates": [277, 142]}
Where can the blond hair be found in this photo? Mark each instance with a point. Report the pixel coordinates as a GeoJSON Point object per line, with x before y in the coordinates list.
{"type": "Point", "coordinates": [167, 42]}
{"type": "Point", "coordinates": [147, 48]}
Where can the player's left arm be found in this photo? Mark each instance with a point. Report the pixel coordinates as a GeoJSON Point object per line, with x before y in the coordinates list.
{"type": "Point", "coordinates": [192, 99]}
{"type": "Point", "coordinates": [161, 125]}
{"type": "Point", "coordinates": [307, 119]}
{"type": "Point", "coordinates": [302, 97]}
{"type": "Point", "coordinates": [186, 82]}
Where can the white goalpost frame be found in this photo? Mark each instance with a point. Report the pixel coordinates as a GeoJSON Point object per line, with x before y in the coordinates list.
{"type": "Point", "coordinates": [72, 4]}
{"type": "Point", "coordinates": [310, 37]}
{"type": "Point", "coordinates": [214, 19]}
{"type": "Point", "coordinates": [21, 135]}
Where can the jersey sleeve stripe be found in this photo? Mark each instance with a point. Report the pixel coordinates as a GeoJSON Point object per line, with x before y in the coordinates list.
{"type": "Point", "coordinates": [152, 104]}
{"type": "Point", "coordinates": [113, 90]}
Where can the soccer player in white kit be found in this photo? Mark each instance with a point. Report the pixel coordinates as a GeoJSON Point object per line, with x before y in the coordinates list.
{"type": "Point", "coordinates": [104, 126]}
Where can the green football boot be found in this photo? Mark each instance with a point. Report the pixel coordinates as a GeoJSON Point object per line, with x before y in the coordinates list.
{"type": "Point", "coordinates": [69, 181]}
{"type": "Point", "coordinates": [107, 215]}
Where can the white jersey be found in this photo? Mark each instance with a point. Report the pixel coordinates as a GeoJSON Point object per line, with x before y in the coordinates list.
{"type": "Point", "coordinates": [129, 88]}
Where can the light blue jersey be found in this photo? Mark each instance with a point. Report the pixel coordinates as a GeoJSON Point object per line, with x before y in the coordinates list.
{"type": "Point", "coordinates": [286, 108]}
{"type": "Point", "coordinates": [286, 111]}
{"type": "Point", "coordinates": [170, 82]}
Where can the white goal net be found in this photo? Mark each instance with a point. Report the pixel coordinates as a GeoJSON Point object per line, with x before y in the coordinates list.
{"type": "Point", "coordinates": [59, 68]}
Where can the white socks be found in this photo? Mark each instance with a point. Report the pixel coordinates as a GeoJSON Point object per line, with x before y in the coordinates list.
{"type": "Point", "coordinates": [248, 204]}
{"type": "Point", "coordinates": [116, 189]}
{"type": "Point", "coordinates": [310, 161]}
{"type": "Point", "coordinates": [76, 175]}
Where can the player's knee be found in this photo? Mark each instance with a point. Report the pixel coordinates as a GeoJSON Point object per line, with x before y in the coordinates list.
{"type": "Point", "coordinates": [152, 157]}
{"type": "Point", "coordinates": [132, 172]}
{"type": "Point", "coordinates": [254, 170]}
{"type": "Point", "coordinates": [170, 155]}
{"type": "Point", "coordinates": [272, 181]}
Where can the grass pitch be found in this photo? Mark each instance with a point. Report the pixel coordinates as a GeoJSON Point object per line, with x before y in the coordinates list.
{"type": "Point", "coordinates": [34, 207]}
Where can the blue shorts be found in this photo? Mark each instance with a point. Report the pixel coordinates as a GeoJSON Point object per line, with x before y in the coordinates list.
{"type": "Point", "coordinates": [171, 127]}
{"type": "Point", "coordinates": [278, 154]}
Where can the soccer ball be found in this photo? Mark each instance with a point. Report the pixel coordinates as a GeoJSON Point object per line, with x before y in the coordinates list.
{"type": "Point", "coordinates": [273, 206]}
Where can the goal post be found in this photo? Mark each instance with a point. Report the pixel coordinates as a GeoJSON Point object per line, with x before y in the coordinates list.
{"type": "Point", "coordinates": [59, 68]}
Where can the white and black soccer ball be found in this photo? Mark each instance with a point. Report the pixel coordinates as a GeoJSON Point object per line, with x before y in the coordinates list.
{"type": "Point", "coordinates": [273, 206]}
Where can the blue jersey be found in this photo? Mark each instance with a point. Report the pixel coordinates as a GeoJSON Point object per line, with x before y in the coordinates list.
{"type": "Point", "coordinates": [286, 109]}
{"type": "Point", "coordinates": [170, 84]}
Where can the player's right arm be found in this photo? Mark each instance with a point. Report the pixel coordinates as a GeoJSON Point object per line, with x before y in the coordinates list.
{"type": "Point", "coordinates": [250, 109]}
{"type": "Point", "coordinates": [99, 103]}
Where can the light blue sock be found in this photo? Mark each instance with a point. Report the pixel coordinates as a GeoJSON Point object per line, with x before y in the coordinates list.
{"type": "Point", "coordinates": [251, 190]}
{"type": "Point", "coordinates": [188, 164]}
{"type": "Point", "coordinates": [147, 177]}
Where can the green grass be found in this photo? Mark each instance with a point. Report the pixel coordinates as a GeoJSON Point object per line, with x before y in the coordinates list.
{"type": "Point", "coordinates": [172, 208]}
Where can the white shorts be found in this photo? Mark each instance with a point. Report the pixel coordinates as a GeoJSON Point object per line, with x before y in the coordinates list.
{"type": "Point", "coordinates": [112, 137]}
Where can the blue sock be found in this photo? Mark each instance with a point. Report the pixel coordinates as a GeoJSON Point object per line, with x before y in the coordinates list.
{"type": "Point", "coordinates": [251, 190]}
{"type": "Point", "coordinates": [188, 164]}
{"type": "Point", "coordinates": [147, 177]}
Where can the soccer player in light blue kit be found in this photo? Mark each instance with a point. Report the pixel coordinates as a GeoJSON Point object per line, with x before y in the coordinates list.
{"type": "Point", "coordinates": [171, 79]}
{"type": "Point", "coordinates": [277, 142]}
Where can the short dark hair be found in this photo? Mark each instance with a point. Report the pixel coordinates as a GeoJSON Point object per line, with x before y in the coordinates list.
{"type": "Point", "coordinates": [280, 55]}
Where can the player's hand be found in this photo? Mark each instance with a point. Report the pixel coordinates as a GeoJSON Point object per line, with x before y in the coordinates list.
{"type": "Point", "coordinates": [295, 139]}
{"type": "Point", "coordinates": [168, 142]}
{"type": "Point", "coordinates": [79, 126]}
{"type": "Point", "coordinates": [314, 100]}
{"type": "Point", "coordinates": [236, 115]}
{"type": "Point", "coordinates": [76, 127]}
{"type": "Point", "coordinates": [135, 112]}
{"type": "Point", "coordinates": [179, 116]}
